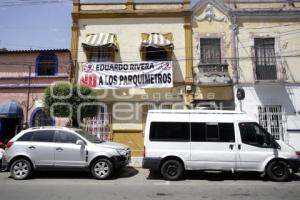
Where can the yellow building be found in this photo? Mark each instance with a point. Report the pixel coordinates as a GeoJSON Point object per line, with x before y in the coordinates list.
{"type": "Point", "coordinates": [213, 49]}
{"type": "Point", "coordinates": [138, 56]}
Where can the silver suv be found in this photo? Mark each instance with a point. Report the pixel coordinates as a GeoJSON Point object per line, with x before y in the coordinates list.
{"type": "Point", "coordinates": [63, 148]}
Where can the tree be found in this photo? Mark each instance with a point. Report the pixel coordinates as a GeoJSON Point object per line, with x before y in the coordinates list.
{"type": "Point", "coordinates": [3, 49]}
{"type": "Point", "coordinates": [60, 97]}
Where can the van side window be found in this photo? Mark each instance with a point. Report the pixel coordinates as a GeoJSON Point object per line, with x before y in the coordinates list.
{"type": "Point", "coordinates": [253, 134]}
{"type": "Point", "coordinates": [169, 131]}
{"type": "Point", "coordinates": [212, 132]}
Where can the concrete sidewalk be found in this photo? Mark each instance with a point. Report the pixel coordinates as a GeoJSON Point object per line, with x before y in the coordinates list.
{"type": "Point", "coordinates": [136, 162]}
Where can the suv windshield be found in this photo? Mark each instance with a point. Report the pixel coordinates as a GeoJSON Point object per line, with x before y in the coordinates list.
{"type": "Point", "coordinates": [89, 137]}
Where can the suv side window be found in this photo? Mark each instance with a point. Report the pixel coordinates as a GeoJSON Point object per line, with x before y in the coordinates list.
{"type": "Point", "coordinates": [253, 134]}
{"type": "Point", "coordinates": [43, 136]}
{"type": "Point", "coordinates": [26, 137]}
{"type": "Point", "coordinates": [170, 131]}
{"type": "Point", "coordinates": [212, 132]}
{"type": "Point", "coordinates": [65, 137]}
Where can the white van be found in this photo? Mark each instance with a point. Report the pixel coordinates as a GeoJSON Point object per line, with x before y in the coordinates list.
{"type": "Point", "coordinates": [178, 140]}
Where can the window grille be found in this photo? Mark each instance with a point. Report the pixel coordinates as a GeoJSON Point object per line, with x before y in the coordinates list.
{"type": "Point", "coordinates": [265, 59]}
{"type": "Point", "coordinates": [101, 54]}
{"type": "Point", "coordinates": [156, 54]}
{"type": "Point", "coordinates": [46, 64]}
{"type": "Point", "coordinates": [271, 118]}
{"type": "Point", "coordinates": [210, 51]}
{"type": "Point", "coordinates": [99, 125]}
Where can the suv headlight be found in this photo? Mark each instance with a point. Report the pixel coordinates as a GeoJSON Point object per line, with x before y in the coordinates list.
{"type": "Point", "coordinates": [122, 152]}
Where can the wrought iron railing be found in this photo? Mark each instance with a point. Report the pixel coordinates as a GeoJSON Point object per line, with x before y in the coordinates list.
{"type": "Point", "coordinates": [213, 73]}
{"type": "Point", "coordinates": [266, 72]}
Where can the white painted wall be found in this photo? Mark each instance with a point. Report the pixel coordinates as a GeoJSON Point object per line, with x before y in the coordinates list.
{"type": "Point", "coordinates": [273, 94]}
{"type": "Point", "coordinates": [294, 140]}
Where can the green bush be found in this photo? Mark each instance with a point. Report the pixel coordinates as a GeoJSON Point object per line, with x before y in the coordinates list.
{"type": "Point", "coordinates": [58, 95]}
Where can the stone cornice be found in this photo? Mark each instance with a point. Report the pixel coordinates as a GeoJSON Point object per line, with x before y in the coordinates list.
{"type": "Point", "coordinates": [273, 13]}
{"type": "Point", "coordinates": [129, 14]}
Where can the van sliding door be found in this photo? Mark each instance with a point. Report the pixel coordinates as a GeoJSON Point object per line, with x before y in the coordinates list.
{"type": "Point", "coordinates": [212, 144]}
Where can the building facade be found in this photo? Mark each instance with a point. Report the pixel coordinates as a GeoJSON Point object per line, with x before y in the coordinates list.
{"type": "Point", "coordinates": [24, 75]}
{"type": "Point", "coordinates": [213, 49]}
{"type": "Point", "coordinates": [268, 47]}
{"type": "Point", "coordinates": [137, 56]}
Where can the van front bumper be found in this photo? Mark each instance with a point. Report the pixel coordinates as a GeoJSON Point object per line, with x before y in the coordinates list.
{"type": "Point", "coordinates": [295, 164]}
{"type": "Point", "coordinates": [151, 163]}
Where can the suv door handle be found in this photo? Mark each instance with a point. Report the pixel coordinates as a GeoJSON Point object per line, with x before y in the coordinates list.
{"type": "Point", "coordinates": [31, 147]}
{"type": "Point", "coordinates": [59, 149]}
{"type": "Point", "coordinates": [231, 146]}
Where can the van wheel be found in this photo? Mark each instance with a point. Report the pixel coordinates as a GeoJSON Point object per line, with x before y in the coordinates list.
{"type": "Point", "coordinates": [102, 169]}
{"type": "Point", "coordinates": [21, 169]}
{"type": "Point", "coordinates": [172, 170]}
{"type": "Point", "coordinates": [278, 170]}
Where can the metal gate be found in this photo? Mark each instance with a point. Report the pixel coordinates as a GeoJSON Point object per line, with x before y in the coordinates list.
{"type": "Point", "coordinates": [271, 117]}
{"type": "Point", "coordinates": [99, 125]}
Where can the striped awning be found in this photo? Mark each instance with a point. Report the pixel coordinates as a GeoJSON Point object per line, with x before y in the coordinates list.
{"type": "Point", "coordinates": [157, 40]}
{"type": "Point", "coordinates": [101, 40]}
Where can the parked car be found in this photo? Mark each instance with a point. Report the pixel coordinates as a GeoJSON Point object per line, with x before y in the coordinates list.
{"type": "Point", "coordinates": [179, 140]}
{"type": "Point", "coordinates": [2, 145]}
{"type": "Point", "coordinates": [1, 155]}
{"type": "Point", "coordinates": [63, 148]}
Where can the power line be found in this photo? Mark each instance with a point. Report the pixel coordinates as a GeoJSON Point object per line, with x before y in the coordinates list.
{"type": "Point", "coordinates": [31, 2]}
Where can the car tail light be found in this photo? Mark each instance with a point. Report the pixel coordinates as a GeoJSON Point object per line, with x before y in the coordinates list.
{"type": "Point", "coordinates": [9, 144]}
{"type": "Point", "coordinates": [298, 153]}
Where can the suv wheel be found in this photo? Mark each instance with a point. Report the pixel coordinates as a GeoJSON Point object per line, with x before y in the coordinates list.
{"type": "Point", "coordinates": [20, 169]}
{"type": "Point", "coordinates": [102, 169]}
{"type": "Point", "coordinates": [172, 170]}
{"type": "Point", "coordinates": [278, 170]}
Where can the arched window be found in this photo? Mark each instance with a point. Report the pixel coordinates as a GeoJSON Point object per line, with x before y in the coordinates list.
{"type": "Point", "coordinates": [40, 118]}
{"type": "Point", "coordinates": [46, 64]}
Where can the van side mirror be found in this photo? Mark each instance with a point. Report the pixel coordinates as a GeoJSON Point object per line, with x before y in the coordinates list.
{"type": "Point", "coordinates": [80, 142]}
{"type": "Point", "coordinates": [274, 144]}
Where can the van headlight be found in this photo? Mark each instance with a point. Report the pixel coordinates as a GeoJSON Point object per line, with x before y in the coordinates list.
{"type": "Point", "coordinates": [122, 152]}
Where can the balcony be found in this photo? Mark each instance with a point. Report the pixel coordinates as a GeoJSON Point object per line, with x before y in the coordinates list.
{"type": "Point", "coordinates": [213, 74]}
{"type": "Point", "coordinates": [266, 73]}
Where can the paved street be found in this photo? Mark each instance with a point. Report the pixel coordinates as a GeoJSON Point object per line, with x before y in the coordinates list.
{"type": "Point", "coordinates": [133, 183]}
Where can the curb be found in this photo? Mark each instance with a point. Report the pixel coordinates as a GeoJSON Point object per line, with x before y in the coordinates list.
{"type": "Point", "coordinates": [136, 162]}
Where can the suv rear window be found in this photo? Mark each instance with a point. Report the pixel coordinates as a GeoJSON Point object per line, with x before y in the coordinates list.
{"type": "Point", "coordinates": [43, 136]}
{"type": "Point", "coordinates": [169, 131]}
{"type": "Point", "coordinates": [26, 137]}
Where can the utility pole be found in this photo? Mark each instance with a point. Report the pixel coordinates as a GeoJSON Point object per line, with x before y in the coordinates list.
{"type": "Point", "coordinates": [28, 94]}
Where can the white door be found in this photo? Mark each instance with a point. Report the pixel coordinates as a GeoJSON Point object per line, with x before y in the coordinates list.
{"type": "Point", "coordinates": [254, 146]}
{"type": "Point", "coordinates": [213, 146]}
{"type": "Point", "coordinates": [67, 152]}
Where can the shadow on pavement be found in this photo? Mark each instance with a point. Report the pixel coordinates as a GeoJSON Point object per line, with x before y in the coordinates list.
{"type": "Point", "coordinates": [219, 176]}
{"type": "Point", "coordinates": [126, 172]}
